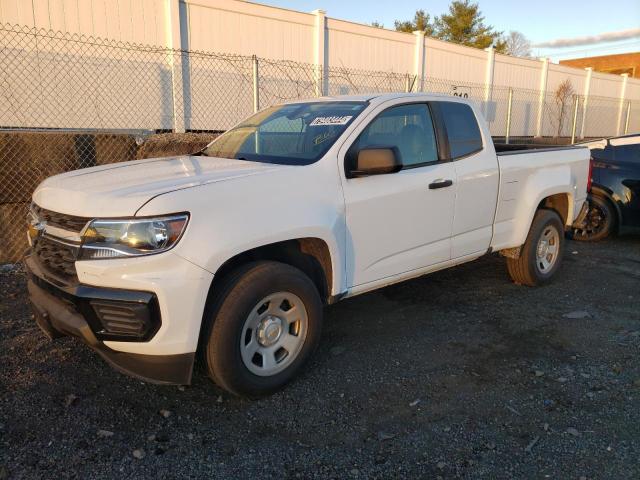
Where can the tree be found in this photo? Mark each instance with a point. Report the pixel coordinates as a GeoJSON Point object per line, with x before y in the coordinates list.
{"type": "Point", "coordinates": [517, 44]}
{"type": "Point", "coordinates": [421, 21]}
{"type": "Point", "coordinates": [376, 24]}
{"type": "Point", "coordinates": [562, 97]}
{"type": "Point", "coordinates": [464, 24]}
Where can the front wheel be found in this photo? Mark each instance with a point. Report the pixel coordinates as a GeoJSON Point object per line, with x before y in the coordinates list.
{"type": "Point", "coordinates": [264, 324]}
{"type": "Point", "coordinates": [541, 254]}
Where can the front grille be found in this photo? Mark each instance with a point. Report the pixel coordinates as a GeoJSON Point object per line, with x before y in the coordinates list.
{"type": "Point", "coordinates": [60, 220]}
{"type": "Point", "coordinates": [56, 258]}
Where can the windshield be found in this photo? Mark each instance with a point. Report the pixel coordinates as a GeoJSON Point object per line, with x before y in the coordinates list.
{"type": "Point", "coordinates": [292, 134]}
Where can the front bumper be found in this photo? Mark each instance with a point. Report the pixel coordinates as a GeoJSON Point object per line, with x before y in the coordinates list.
{"type": "Point", "coordinates": [61, 311]}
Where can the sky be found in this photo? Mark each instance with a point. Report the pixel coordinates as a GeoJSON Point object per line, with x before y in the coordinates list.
{"type": "Point", "coordinates": [539, 20]}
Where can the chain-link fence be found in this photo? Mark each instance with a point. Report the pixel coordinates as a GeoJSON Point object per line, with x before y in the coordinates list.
{"type": "Point", "coordinates": [70, 101]}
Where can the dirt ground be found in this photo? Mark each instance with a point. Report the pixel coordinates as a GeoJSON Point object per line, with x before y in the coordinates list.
{"type": "Point", "coordinates": [460, 374]}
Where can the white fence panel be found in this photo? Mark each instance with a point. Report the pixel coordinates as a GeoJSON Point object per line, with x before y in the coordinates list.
{"type": "Point", "coordinates": [138, 21]}
{"type": "Point", "coordinates": [605, 85]}
{"type": "Point", "coordinates": [454, 62]}
{"type": "Point", "coordinates": [244, 28]}
{"type": "Point", "coordinates": [369, 48]}
{"type": "Point", "coordinates": [517, 72]}
{"type": "Point", "coordinates": [353, 58]}
{"type": "Point", "coordinates": [561, 73]}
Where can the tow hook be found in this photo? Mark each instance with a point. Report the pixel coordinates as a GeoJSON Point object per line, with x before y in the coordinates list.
{"type": "Point", "coordinates": [581, 221]}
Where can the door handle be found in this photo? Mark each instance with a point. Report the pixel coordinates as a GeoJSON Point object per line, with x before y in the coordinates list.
{"type": "Point", "coordinates": [440, 183]}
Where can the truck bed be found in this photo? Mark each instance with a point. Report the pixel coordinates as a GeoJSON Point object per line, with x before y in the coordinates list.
{"type": "Point", "coordinates": [528, 175]}
{"type": "Point", "coordinates": [515, 148]}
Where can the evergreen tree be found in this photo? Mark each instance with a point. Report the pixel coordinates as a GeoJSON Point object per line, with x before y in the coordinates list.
{"type": "Point", "coordinates": [421, 21]}
{"type": "Point", "coordinates": [464, 24]}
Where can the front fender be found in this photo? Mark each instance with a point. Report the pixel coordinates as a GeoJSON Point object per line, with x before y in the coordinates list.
{"type": "Point", "coordinates": [232, 217]}
{"type": "Point", "coordinates": [221, 255]}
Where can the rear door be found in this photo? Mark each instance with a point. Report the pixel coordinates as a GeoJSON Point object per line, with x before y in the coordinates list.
{"type": "Point", "coordinates": [399, 222]}
{"type": "Point", "coordinates": [477, 173]}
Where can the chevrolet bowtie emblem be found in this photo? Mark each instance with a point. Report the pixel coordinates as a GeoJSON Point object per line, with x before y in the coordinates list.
{"type": "Point", "coordinates": [36, 228]}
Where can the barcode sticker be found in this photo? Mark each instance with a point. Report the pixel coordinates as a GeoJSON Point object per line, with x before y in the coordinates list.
{"type": "Point", "coordinates": [335, 120]}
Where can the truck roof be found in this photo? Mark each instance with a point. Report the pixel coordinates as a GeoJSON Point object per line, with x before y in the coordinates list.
{"type": "Point", "coordinates": [377, 97]}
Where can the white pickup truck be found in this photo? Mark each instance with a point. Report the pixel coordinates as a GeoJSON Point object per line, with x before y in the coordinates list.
{"type": "Point", "coordinates": [231, 253]}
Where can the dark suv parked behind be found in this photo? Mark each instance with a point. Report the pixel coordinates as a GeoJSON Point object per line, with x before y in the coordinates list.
{"type": "Point", "coordinates": [615, 192]}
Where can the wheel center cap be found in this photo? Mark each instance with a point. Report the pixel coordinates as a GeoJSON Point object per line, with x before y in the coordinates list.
{"type": "Point", "coordinates": [543, 248]}
{"type": "Point", "coordinates": [269, 331]}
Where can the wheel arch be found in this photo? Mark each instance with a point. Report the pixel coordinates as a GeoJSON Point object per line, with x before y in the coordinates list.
{"type": "Point", "coordinates": [312, 255]}
{"type": "Point", "coordinates": [561, 203]}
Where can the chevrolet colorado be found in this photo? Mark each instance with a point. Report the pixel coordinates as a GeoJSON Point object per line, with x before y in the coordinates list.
{"type": "Point", "coordinates": [231, 253]}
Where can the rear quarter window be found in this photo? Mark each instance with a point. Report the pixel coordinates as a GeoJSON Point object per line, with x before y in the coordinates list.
{"type": "Point", "coordinates": [462, 129]}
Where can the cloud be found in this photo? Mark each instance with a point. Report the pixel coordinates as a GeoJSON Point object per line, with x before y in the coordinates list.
{"type": "Point", "coordinates": [590, 39]}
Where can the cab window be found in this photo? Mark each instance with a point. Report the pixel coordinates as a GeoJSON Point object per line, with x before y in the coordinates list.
{"type": "Point", "coordinates": [462, 129]}
{"type": "Point", "coordinates": [408, 128]}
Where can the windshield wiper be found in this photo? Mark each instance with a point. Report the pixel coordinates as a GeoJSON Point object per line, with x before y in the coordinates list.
{"type": "Point", "coordinates": [200, 153]}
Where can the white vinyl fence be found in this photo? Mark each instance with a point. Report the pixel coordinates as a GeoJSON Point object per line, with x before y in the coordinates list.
{"type": "Point", "coordinates": [301, 55]}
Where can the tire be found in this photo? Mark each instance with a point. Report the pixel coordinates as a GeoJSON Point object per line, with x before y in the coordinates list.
{"type": "Point", "coordinates": [537, 267]}
{"type": "Point", "coordinates": [272, 308]}
{"type": "Point", "coordinates": [600, 221]}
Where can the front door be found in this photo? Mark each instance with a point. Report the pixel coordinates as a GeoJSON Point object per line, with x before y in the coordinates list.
{"type": "Point", "coordinates": [399, 222]}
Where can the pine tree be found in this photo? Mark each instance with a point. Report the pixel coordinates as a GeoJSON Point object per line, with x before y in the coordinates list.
{"type": "Point", "coordinates": [421, 21]}
{"type": "Point", "coordinates": [464, 24]}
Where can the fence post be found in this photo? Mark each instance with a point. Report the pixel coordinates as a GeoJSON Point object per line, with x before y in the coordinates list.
{"type": "Point", "coordinates": [544, 75]}
{"type": "Point", "coordinates": [407, 84]}
{"type": "Point", "coordinates": [256, 84]}
{"type": "Point", "coordinates": [320, 53]}
{"type": "Point", "coordinates": [488, 80]}
{"type": "Point", "coordinates": [173, 40]}
{"type": "Point", "coordinates": [508, 130]}
{"type": "Point", "coordinates": [623, 91]}
{"type": "Point", "coordinates": [626, 122]}
{"type": "Point", "coordinates": [574, 123]}
{"type": "Point", "coordinates": [418, 60]}
{"type": "Point", "coordinates": [585, 102]}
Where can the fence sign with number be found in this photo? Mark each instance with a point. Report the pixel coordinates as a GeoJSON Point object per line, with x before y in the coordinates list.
{"type": "Point", "coordinates": [457, 91]}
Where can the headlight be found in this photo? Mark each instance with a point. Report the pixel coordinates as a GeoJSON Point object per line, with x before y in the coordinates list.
{"type": "Point", "coordinates": [131, 237]}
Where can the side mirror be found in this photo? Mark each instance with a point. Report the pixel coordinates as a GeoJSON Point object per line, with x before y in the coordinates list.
{"type": "Point", "coordinates": [375, 161]}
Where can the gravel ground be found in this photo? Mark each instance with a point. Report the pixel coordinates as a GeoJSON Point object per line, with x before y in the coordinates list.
{"type": "Point", "coordinates": [460, 374]}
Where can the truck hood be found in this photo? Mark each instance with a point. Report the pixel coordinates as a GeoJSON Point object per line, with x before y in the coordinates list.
{"type": "Point", "coordinates": [120, 189]}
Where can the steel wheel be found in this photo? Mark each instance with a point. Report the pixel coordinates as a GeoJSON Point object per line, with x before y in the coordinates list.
{"type": "Point", "coordinates": [541, 254]}
{"type": "Point", "coordinates": [274, 333]}
{"type": "Point", "coordinates": [547, 249]}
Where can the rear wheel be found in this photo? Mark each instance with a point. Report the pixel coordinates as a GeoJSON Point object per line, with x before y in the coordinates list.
{"type": "Point", "coordinates": [599, 223]}
{"type": "Point", "coordinates": [541, 254]}
{"type": "Point", "coordinates": [264, 324]}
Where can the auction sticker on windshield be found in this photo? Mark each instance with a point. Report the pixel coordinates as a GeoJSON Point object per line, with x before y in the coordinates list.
{"type": "Point", "coordinates": [334, 120]}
